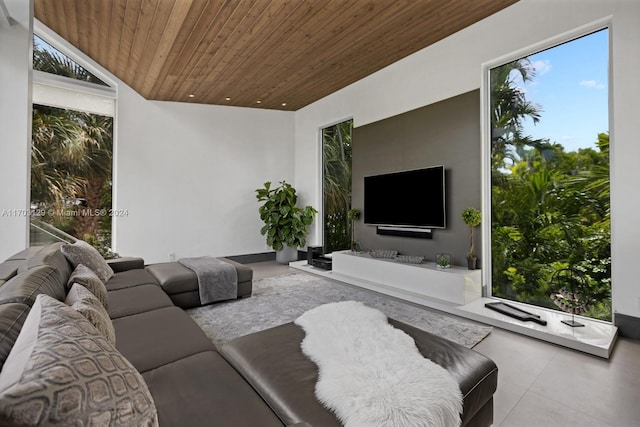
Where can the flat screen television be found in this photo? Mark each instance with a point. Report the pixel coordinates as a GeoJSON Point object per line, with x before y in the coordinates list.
{"type": "Point", "coordinates": [413, 198]}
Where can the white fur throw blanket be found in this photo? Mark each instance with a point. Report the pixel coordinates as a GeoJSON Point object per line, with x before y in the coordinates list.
{"type": "Point", "coordinates": [372, 374]}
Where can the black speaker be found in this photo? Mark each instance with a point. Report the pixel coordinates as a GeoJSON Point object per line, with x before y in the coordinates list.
{"type": "Point", "coordinates": [313, 252]}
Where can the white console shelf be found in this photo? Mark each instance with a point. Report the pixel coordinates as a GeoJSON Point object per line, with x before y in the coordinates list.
{"type": "Point", "coordinates": [413, 282]}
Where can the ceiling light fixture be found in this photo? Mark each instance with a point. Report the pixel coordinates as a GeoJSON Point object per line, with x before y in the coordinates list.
{"type": "Point", "coordinates": [258, 102]}
{"type": "Point", "coordinates": [284, 104]}
{"type": "Point", "coordinates": [191, 95]}
{"type": "Point", "coordinates": [228, 99]}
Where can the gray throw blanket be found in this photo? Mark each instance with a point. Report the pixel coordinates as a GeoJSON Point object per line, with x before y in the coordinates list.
{"type": "Point", "coordinates": [217, 280]}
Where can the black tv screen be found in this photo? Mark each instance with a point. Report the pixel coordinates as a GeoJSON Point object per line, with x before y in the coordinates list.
{"type": "Point", "coordinates": [414, 198]}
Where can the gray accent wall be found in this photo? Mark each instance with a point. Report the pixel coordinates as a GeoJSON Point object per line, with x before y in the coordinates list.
{"type": "Point", "coordinates": [445, 133]}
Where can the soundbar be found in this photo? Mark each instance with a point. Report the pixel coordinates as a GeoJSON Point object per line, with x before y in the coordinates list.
{"type": "Point", "coordinates": [421, 233]}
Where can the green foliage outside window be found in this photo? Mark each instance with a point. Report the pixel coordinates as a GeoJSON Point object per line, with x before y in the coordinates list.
{"type": "Point", "coordinates": [337, 186]}
{"type": "Point", "coordinates": [550, 208]}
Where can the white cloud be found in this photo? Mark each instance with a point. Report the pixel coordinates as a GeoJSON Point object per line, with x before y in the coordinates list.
{"type": "Point", "coordinates": [592, 83]}
{"type": "Point", "coordinates": [540, 67]}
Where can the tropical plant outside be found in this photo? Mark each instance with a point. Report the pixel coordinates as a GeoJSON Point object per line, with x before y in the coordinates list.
{"type": "Point", "coordinates": [71, 162]}
{"type": "Point", "coordinates": [550, 207]}
{"type": "Point", "coordinates": [336, 141]}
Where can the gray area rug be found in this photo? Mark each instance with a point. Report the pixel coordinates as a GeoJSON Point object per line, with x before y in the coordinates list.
{"type": "Point", "coordinates": [282, 299]}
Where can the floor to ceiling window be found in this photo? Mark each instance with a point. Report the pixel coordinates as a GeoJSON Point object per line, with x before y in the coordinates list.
{"type": "Point", "coordinates": [336, 162]}
{"type": "Point", "coordinates": [549, 162]}
{"type": "Point", "coordinates": [72, 151]}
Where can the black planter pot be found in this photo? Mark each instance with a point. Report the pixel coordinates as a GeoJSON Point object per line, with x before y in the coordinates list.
{"type": "Point", "coordinates": [472, 263]}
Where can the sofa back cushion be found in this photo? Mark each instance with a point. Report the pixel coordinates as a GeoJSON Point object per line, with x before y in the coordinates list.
{"type": "Point", "coordinates": [81, 252]}
{"type": "Point", "coordinates": [50, 255]}
{"type": "Point", "coordinates": [12, 316]}
{"type": "Point", "coordinates": [26, 286]}
{"type": "Point", "coordinates": [62, 371]}
{"type": "Point", "coordinates": [87, 278]}
{"type": "Point", "coordinates": [9, 268]}
{"type": "Point", "coordinates": [85, 303]}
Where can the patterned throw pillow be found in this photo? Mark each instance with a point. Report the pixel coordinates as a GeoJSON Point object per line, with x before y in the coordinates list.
{"type": "Point", "coordinates": [83, 253]}
{"type": "Point", "coordinates": [85, 303]}
{"type": "Point", "coordinates": [63, 372]}
{"type": "Point", "coordinates": [87, 278]}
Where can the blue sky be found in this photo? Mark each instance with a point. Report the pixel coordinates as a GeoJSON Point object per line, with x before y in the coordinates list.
{"type": "Point", "coordinates": [571, 86]}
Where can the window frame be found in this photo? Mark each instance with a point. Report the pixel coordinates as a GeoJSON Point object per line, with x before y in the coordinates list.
{"type": "Point", "coordinates": [485, 129]}
{"type": "Point", "coordinates": [93, 93]}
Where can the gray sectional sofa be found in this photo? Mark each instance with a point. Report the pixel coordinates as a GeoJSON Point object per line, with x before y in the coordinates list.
{"type": "Point", "coordinates": [262, 379]}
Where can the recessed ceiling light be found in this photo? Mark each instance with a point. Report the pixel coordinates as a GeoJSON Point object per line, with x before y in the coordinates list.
{"type": "Point", "coordinates": [258, 102]}
{"type": "Point", "coordinates": [191, 95]}
{"type": "Point", "coordinates": [228, 98]}
{"type": "Point", "coordinates": [284, 104]}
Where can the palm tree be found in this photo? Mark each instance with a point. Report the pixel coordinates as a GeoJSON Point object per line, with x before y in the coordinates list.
{"type": "Point", "coordinates": [337, 185]}
{"type": "Point", "coordinates": [71, 152]}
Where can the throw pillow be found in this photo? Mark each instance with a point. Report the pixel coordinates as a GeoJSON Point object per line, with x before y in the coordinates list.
{"type": "Point", "coordinates": [87, 278]}
{"type": "Point", "coordinates": [81, 252]}
{"type": "Point", "coordinates": [64, 372]}
{"type": "Point", "coordinates": [85, 303]}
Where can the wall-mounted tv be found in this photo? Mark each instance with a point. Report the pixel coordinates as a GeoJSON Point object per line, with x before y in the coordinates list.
{"type": "Point", "coordinates": [413, 198]}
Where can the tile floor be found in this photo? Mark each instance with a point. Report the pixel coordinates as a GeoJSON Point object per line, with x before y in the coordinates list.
{"type": "Point", "coordinates": [541, 384]}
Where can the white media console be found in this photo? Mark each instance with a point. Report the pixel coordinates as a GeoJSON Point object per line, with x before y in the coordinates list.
{"type": "Point", "coordinates": [413, 282]}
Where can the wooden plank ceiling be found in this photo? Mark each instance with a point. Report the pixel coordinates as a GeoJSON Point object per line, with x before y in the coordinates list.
{"type": "Point", "coordinates": [278, 54]}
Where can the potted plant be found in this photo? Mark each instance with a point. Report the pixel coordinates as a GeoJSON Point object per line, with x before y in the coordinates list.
{"type": "Point", "coordinates": [353, 215]}
{"type": "Point", "coordinates": [443, 260]}
{"type": "Point", "coordinates": [471, 217]}
{"type": "Point", "coordinates": [286, 224]}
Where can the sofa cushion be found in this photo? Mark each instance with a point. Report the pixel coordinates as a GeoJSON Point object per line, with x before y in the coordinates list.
{"type": "Point", "coordinates": [205, 390]}
{"type": "Point", "coordinates": [125, 263]}
{"type": "Point", "coordinates": [81, 252]}
{"type": "Point", "coordinates": [84, 276]}
{"type": "Point", "coordinates": [8, 269]}
{"type": "Point", "coordinates": [49, 255]}
{"type": "Point", "coordinates": [12, 317]}
{"type": "Point", "coordinates": [24, 287]}
{"type": "Point", "coordinates": [85, 303]}
{"type": "Point", "coordinates": [175, 278]}
{"type": "Point", "coordinates": [158, 337]}
{"type": "Point", "coordinates": [476, 373]}
{"type": "Point", "coordinates": [135, 300]}
{"type": "Point", "coordinates": [26, 253]}
{"type": "Point", "coordinates": [130, 278]}
{"type": "Point", "coordinates": [289, 387]}
{"type": "Point", "coordinates": [62, 371]}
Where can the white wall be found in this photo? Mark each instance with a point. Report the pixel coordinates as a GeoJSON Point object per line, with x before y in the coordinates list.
{"type": "Point", "coordinates": [15, 126]}
{"type": "Point", "coordinates": [453, 66]}
{"type": "Point", "coordinates": [187, 174]}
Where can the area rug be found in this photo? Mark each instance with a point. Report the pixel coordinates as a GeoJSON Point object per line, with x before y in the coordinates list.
{"type": "Point", "coordinates": [281, 299]}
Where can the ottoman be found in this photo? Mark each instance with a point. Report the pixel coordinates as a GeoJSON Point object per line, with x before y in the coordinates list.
{"type": "Point", "coordinates": [288, 388]}
{"type": "Point", "coordinates": [181, 283]}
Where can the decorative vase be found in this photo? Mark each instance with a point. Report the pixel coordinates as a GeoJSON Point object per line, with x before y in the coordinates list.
{"type": "Point", "coordinates": [287, 254]}
{"type": "Point", "coordinates": [472, 263]}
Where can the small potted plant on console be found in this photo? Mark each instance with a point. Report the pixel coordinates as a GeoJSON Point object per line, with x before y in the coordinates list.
{"type": "Point", "coordinates": [471, 217]}
{"type": "Point", "coordinates": [353, 215]}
